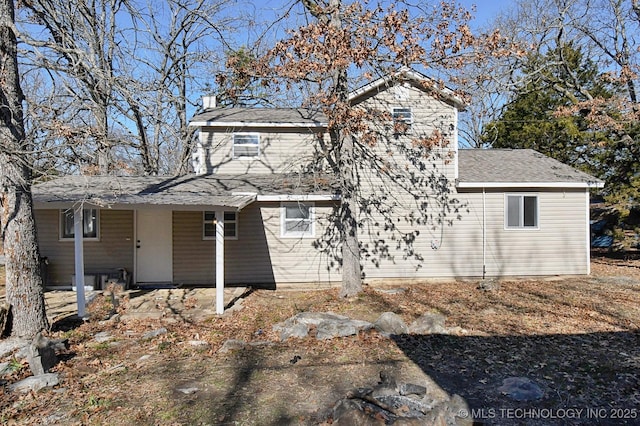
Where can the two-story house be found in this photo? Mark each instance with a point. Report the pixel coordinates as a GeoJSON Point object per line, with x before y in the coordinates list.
{"type": "Point", "coordinates": [246, 217]}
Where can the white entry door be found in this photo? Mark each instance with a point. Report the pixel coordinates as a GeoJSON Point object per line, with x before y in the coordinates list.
{"type": "Point", "coordinates": [154, 261]}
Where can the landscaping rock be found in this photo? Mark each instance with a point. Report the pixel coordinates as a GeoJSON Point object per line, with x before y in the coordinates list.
{"type": "Point", "coordinates": [521, 389]}
{"type": "Point", "coordinates": [5, 368]}
{"type": "Point", "coordinates": [328, 325]}
{"type": "Point", "coordinates": [102, 336]}
{"type": "Point", "coordinates": [296, 330]}
{"type": "Point", "coordinates": [187, 391]}
{"type": "Point", "coordinates": [489, 284]}
{"type": "Point", "coordinates": [428, 324]}
{"type": "Point", "coordinates": [154, 333]}
{"type": "Point", "coordinates": [390, 323]}
{"type": "Point", "coordinates": [41, 355]}
{"type": "Point", "coordinates": [340, 328]}
{"type": "Point", "coordinates": [8, 346]}
{"type": "Point", "coordinates": [35, 383]}
{"type": "Point", "coordinates": [232, 345]}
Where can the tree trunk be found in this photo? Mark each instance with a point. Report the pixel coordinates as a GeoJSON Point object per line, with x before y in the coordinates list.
{"type": "Point", "coordinates": [351, 277]}
{"type": "Point", "coordinates": [24, 284]}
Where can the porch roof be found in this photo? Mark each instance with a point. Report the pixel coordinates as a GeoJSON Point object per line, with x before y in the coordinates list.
{"type": "Point", "coordinates": [233, 191]}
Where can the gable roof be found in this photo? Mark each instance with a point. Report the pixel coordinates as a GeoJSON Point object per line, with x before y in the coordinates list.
{"type": "Point", "coordinates": [518, 168]}
{"type": "Point", "coordinates": [235, 191]}
{"type": "Point", "coordinates": [411, 75]}
{"type": "Point", "coordinates": [259, 117]}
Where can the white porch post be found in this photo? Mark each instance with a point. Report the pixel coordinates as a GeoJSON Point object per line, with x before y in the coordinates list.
{"type": "Point", "coordinates": [78, 233]}
{"type": "Point", "coordinates": [219, 261]}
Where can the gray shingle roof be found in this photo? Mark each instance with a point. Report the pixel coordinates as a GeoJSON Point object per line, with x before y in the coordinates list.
{"type": "Point", "coordinates": [296, 117]}
{"type": "Point", "coordinates": [523, 167]}
{"type": "Point", "coordinates": [219, 190]}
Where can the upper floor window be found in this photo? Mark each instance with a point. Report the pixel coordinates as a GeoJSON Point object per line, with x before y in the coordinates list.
{"type": "Point", "coordinates": [402, 120]}
{"type": "Point", "coordinates": [297, 220]}
{"type": "Point", "coordinates": [521, 211]}
{"type": "Point", "coordinates": [209, 225]}
{"type": "Point", "coordinates": [90, 222]}
{"type": "Point", "coordinates": [246, 145]}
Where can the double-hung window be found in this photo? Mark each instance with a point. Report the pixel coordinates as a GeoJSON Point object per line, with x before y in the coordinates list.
{"type": "Point", "coordinates": [209, 225]}
{"type": "Point", "coordinates": [297, 220]}
{"type": "Point", "coordinates": [246, 145]}
{"type": "Point", "coordinates": [90, 224]}
{"type": "Point", "coordinates": [402, 120]}
{"type": "Point", "coordinates": [521, 211]}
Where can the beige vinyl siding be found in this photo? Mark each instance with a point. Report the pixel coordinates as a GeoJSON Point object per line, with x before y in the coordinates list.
{"type": "Point", "coordinates": [114, 249]}
{"type": "Point", "coordinates": [429, 114]}
{"type": "Point", "coordinates": [259, 256]}
{"type": "Point", "coordinates": [557, 247]}
{"type": "Point", "coordinates": [281, 150]}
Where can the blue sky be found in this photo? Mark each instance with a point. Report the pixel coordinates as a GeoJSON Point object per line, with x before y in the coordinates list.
{"type": "Point", "coordinates": [486, 10]}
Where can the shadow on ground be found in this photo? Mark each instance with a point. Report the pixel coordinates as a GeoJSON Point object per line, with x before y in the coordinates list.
{"type": "Point", "coordinates": [598, 373]}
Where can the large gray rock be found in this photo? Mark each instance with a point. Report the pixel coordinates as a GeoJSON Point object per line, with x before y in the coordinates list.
{"type": "Point", "coordinates": [154, 333]}
{"type": "Point", "coordinates": [341, 328]}
{"type": "Point", "coordinates": [521, 389]}
{"type": "Point", "coordinates": [9, 345]}
{"type": "Point", "coordinates": [41, 355]}
{"type": "Point", "coordinates": [390, 323]}
{"type": "Point", "coordinates": [35, 383]}
{"type": "Point", "coordinates": [428, 324]}
{"type": "Point", "coordinates": [328, 325]}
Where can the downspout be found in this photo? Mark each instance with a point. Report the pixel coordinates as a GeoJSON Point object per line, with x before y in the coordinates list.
{"type": "Point", "coordinates": [484, 234]}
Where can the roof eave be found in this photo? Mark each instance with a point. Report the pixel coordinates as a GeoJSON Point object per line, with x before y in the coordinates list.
{"type": "Point", "coordinates": [446, 93]}
{"type": "Point", "coordinates": [480, 185]}
{"type": "Point", "coordinates": [228, 124]}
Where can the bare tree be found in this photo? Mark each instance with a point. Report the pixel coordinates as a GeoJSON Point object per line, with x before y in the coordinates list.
{"type": "Point", "coordinates": [23, 280]}
{"type": "Point", "coordinates": [124, 73]}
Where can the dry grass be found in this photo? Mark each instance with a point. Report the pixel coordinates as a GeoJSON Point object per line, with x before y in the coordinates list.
{"type": "Point", "coordinates": [578, 338]}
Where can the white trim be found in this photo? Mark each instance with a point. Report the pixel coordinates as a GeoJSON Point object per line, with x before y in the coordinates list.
{"type": "Point", "coordinates": [78, 255]}
{"type": "Point", "coordinates": [588, 229]}
{"type": "Point", "coordinates": [251, 145]}
{"type": "Point", "coordinates": [455, 144]}
{"type": "Point", "coordinates": [311, 220]}
{"type": "Point", "coordinates": [480, 185]}
{"type": "Point", "coordinates": [411, 75]}
{"type": "Point", "coordinates": [298, 197]}
{"type": "Point", "coordinates": [215, 212]}
{"type": "Point", "coordinates": [63, 211]}
{"type": "Point", "coordinates": [506, 212]}
{"type": "Point", "coordinates": [228, 124]}
{"type": "Point", "coordinates": [220, 262]}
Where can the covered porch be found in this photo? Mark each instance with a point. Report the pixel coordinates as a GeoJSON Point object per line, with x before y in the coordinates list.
{"type": "Point", "coordinates": [164, 231]}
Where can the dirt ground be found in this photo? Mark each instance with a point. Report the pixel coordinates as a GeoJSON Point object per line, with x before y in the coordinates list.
{"type": "Point", "coordinates": [578, 338]}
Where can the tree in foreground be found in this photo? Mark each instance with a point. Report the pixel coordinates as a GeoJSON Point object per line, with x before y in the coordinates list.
{"type": "Point", "coordinates": [348, 40]}
{"type": "Point", "coordinates": [24, 285]}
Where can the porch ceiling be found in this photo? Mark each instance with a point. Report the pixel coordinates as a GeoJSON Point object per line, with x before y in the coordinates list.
{"type": "Point", "coordinates": [233, 191]}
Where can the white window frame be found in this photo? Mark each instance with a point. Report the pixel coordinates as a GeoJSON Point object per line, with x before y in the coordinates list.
{"type": "Point", "coordinates": [521, 211]}
{"type": "Point", "coordinates": [245, 145]}
{"type": "Point", "coordinates": [284, 220]}
{"type": "Point", "coordinates": [86, 213]}
{"type": "Point", "coordinates": [227, 222]}
{"type": "Point", "coordinates": [399, 115]}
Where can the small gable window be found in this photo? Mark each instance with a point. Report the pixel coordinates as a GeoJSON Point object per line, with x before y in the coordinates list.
{"type": "Point", "coordinates": [209, 225]}
{"type": "Point", "coordinates": [246, 145]}
{"type": "Point", "coordinates": [521, 211]}
{"type": "Point", "coordinates": [90, 222]}
{"type": "Point", "coordinates": [402, 120]}
{"type": "Point", "coordinates": [297, 220]}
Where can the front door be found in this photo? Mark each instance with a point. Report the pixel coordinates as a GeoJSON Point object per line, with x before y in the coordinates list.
{"type": "Point", "coordinates": [154, 262]}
